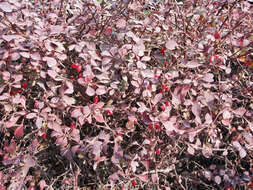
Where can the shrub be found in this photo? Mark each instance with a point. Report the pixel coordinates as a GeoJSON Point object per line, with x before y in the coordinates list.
{"type": "Point", "coordinates": [126, 94]}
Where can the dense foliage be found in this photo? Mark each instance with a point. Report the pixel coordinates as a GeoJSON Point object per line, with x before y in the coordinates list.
{"type": "Point", "coordinates": [131, 94]}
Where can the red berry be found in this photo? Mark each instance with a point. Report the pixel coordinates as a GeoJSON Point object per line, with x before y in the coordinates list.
{"type": "Point", "coordinates": [248, 90]}
{"type": "Point", "coordinates": [13, 92]}
{"type": "Point", "coordinates": [95, 85]}
{"type": "Point", "coordinates": [24, 85]}
{"type": "Point", "coordinates": [167, 103]}
{"type": "Point", "coordinates": [162, 107]}
{"type": "Point", "coordinates": [79, 68]}
{"type": "Point", "coordinates": [95, 100]}
{"type": "Point", "coordinates": [211, 59]}
{"type": "Point", "coordinates": [74, 66]}
{"type": "Point", "coordinates": [20, 91]}
{"type": "Point", "coordinates": [109, 112]}
{"type": "Point", "coordinates": [162, 51]}
{"type": "Point", "coordinates": [72, 126]}
{"type": "Point", "coordinates": [216, 35]}
{"type": "Point", "coordinates": [164, 86]}
{"type": "Point", "coordinates": [247, 63]}
{"type": "Point", "coordinates": [150, 127]}
{"type": "Point", "coordinates": [158, 151]}
{"type": "Point", "coordinates": [251, 185]}
{"type": "Point", "coordinates": [157, 125]}
{"type": "Point", "coordinates": [108, 31]}
{"type": "Point", "coordinates": [134, 183]}
{"type": "Point", "coordinates": [44, 136]}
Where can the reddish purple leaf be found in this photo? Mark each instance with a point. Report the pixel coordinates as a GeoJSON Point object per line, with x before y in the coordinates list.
{"type": "Point", "coordinates": [19, 132]}
{"type": "Point", "coordinates": [196, 110]}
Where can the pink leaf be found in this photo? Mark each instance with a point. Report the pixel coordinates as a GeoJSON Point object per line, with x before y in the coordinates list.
{"type": "Point", "coordinates": [96, 149]}
{"type": "Point", "coordinates": [4, 96]}
{"type": "Point", "coordinates": [217, 179]}
{"type": "Point", "coordinates": [29, 161]}
{"type": "Point", "coordinates": [12, 121]}
{"type": "Point", "coordinates": [208, 118]}
{"type": "Point", "coordinates": [242, 153]}
{"type": "Point", "coordinates": [171, 44]}
{"type": "Point", "coordinates": [184, 91]}
{"type": "Point", "coordinates": [6, 7]}
{"type": "Point", "coordinates": [101, 90]}
{"type": "Point", "coordinates": [86, 111]}
{"type": "Point", "coordinates": [68, 100]}
{"type": "Point", "coordinates": [239, 111]}
{"type": "Point", "coordinates": [134, 165]}
{"type": "Point", "coordinates": [62, 141]}
{"type": "Point", "coordinates": [237, 145]}
{"type": "Point", "coordinates": [226, 114]}
{"type": "Point", "coordinates": [190, 150]}
{"type": "Point", "coordinates": [55, 126]}
{"type": "Point", "coordinates": [8, 38]}
{"type": "Point", "coordinates": [52, 73]}
{"type": "Point", "coordinates": [145, 58]}
{"type": "Point", "coordinates": [42, 184]}
{"type": "Point", "coordinates": [19, 132]}
{"type": "Point", "coordinates": [250, 125]}
{"type": "Point", "coordinates": [70, 89]}
{"type": "Point", "coordinates": [51, 62]}
{"type": "Point", "coordinates": [56, 29]}
{"type": "Point", "coordinates": [121, 23]}
{"type": "Point", "coordinates": [154, 178]}
{"type": "Point", "coordinates": [90, 91]}
{"type": "Point", "coordinates": [36, 56]}
{"type": "Point", "coordinates": [208, 77]}
{"type": "Point", "coordinates": [157, 98]}
{"type": "Point", "coordinates": [97, 161]}
{"type": "Point", "coordinates": [6, 75]}
{"type": "Point", "coordinates": [130, 125]}
{"type": "Point", "coordinates": [114, 177]}
{"type": "Point", "coordinates": [25, 54]}
{"type": "Point", "coordinates": [244, 43]}
{"type": "Point", "coordinates": [117, 153]}
{"type": "Point", "coordinates": [31, 115]}
{"type": "Point", "coordinates": [191, 64]}
{"type": "Point", "coordinates": [143, 177]}
{"type": "Point", "coordinates": [99, 118]}
{"type": "Point", "coordinates": [76, 113]}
